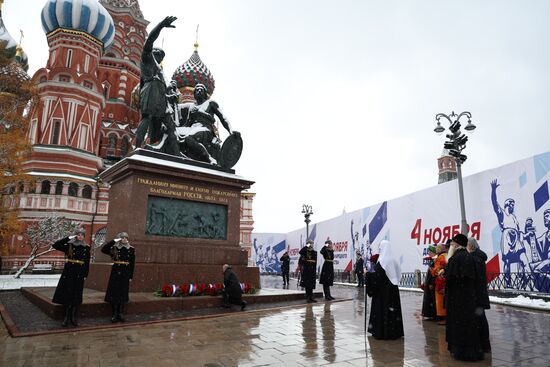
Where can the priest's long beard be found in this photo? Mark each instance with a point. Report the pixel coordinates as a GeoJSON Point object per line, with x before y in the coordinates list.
{"type": "Point", "coordinates": [451, 252]}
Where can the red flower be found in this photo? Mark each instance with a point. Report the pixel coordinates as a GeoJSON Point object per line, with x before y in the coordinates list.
{"type": "Point", "coordinates": [184, 289]}
{"type": "Point", "coordinates": [166, 290]}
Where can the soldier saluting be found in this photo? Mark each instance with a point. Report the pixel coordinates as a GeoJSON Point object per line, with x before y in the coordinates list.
{"type": "Point", "coordinates": [122, 272]}
{"type": "Point", "coordinates": [71, 284]}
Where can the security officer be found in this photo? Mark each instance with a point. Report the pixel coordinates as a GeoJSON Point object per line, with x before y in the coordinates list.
{"type": "Point", "coordinates": [122, 272]}
{"type": "Point", "coordinates": [71, 284]}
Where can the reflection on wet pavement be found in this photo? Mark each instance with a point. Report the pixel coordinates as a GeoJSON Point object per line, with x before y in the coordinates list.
{"type": "Point", "coordinates": [305, 335]}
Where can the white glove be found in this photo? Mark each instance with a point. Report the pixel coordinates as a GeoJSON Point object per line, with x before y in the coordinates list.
{"type": "Point", "coordinates": [117, 239]}
{"type": "Point", "coordinates": [72, 237]}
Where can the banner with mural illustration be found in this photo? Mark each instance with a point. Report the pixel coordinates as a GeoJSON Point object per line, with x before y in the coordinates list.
{"type": "Point", "coordinates": [507, 209]}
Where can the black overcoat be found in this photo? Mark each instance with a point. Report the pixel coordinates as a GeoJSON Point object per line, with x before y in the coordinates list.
{"type": "Point", "coordinates": [359, 266]}
{"type": "Point", "coordinates": [285, 264]}
{"type": "Point", "coordinates": [327, 271]}
{"type": "Point", "coordinates": [460, 303]}
{"type": "Point", "coordinates": [309, 267]}
{"type": "Point", "coordinates": [122, 271]}
{"type": "Point", "coordinates": [386, 321]}
{"type": "Point", "coordinates": [428, 302]}
{"type": "Point", "coordinates": [232, 286]}
{"type": "Point", "coordinates": [71, 283]}
{"type": "Point", "coordinates": [482, 298]}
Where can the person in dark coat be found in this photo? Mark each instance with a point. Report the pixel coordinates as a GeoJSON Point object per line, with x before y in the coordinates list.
{"type": "Point", "coordinates": [360, 270]}
{"type": "Point", "coordinates": [71, 283]}
{"type": "Point", "coordinates": [122, 272]}
{"type": "Point", "coordinates": [428, 302]}
{"type": "Point", "coordinates": [327, 271]}
{"type": "Point", "coordinates": [232, 292]}
{"type": "Point", "coordinates": [386, 321]}
{"type": "Point", "coordinates": [285, 268]}
{"type": "Point", "coordinates": [482, 294]}
{"type": "Point", "coordinates": [460, 301]}
{"type": "Point", "coordinates": [308, 260]}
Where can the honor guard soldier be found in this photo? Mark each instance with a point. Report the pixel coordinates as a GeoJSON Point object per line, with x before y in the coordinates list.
{"type": "Point", "coordinates": [308, 259]}
{"type": "Point", "coordinates": [327, 271]}
{"type": "Point", "coordinates": [71, 284]}
{"type": "Point", "coordinates": [122, 272]}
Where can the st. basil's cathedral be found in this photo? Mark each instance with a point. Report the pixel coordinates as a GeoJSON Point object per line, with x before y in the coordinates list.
{"type": "Point", "coordinates": [87, 116]}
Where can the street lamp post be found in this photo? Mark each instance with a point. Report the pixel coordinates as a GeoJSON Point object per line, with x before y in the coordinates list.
{"type": "Point", "coordinates": [456, 144]}
{"type": "Point", "coordinates": [307, 211]}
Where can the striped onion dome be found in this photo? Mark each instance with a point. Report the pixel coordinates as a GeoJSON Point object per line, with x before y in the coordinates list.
{"type": "Point", "coordinates": [193, 72]}
{"type": "Point", "coordinates": [87, 16]}
{"type": "Point", "coordinates": [6, 40]}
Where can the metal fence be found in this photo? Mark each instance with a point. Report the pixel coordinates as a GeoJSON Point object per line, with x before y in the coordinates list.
{"type": "Point", "coordinates": [525, 282]}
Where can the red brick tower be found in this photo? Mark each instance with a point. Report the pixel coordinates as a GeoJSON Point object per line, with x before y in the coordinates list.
{"type": "Point", "coordinates": [119, 74]}
{"type": "Point", "coordinates": [447, 167]}
{"type": "Point", "coordinates": [65, 127]}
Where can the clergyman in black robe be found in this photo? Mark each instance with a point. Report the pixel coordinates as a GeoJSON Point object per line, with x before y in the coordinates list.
{"type": "Point", "coordinates": [327, 271]}
{"type": "Point", "coordinates": [386, 321]}
{"type": "Point", "coordinates": [308, 263]}
{"type": "Point", "coordinates": [232, 292]}
{"type": "Point", "coordinates": [460, 301]}
{"type": "Point", "coordinates": [482, 294]}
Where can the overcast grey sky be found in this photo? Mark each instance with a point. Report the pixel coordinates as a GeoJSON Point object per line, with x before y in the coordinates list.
{"type": "Point", "coordinates": [336, 100]}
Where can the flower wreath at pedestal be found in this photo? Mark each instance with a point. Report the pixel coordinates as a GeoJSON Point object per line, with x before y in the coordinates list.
{"type": "Point", "coordinates": [198, 289]}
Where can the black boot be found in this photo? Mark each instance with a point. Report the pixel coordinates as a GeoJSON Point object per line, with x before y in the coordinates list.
{"type": "Point", "coordinates": [114, 313]}
{"type": "Point", "coordinates": [243, 305]}
{"type": "Point", "coordinates": [74, 316]}
{"type": "Point", "coordinates": [67, 318]}
{"type": "Point", "coordinates": [120, 312]}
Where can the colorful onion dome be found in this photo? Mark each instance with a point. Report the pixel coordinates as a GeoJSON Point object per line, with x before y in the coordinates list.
{"type": "Point", "coordinates": [21, 58]}
{"type": "Point", "coordinates": [193, 72]}
{"type": "Point", "coordinates": [13, 69]}
{"type": "Point", "coordinates": [87, 16]}
{"type": "Point", "coordinates": [7, 42]}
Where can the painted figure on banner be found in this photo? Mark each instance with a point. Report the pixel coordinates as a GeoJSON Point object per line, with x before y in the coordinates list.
{"type": "Point", "coordinates": [512, 246]}
{"type": "Point", "coordinates": [386, 320]}
{"type": "Point", "coordinates": [267, 255]}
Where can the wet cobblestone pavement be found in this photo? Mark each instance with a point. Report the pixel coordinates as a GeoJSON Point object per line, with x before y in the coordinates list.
{"type": "Point", "coordinates": [303, 335]}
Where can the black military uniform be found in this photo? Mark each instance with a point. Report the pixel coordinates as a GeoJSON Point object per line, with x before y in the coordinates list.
{"type": "Point", "coordinates": [122, 272]}
{"type": "Point", "coordinates": [360, 270]}
{"type": "Point", "coordinates": [308, 262]}
{"type": "Point", "coordinates": [285, 268]}
{"type": "Point", "coordinates": [327, 271]}
{"type": "Point", "coordinates": [71, 284]}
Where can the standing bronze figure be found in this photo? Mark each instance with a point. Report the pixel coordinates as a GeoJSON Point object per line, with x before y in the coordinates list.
{"type": "Point", "coordinates": [153, 103]}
